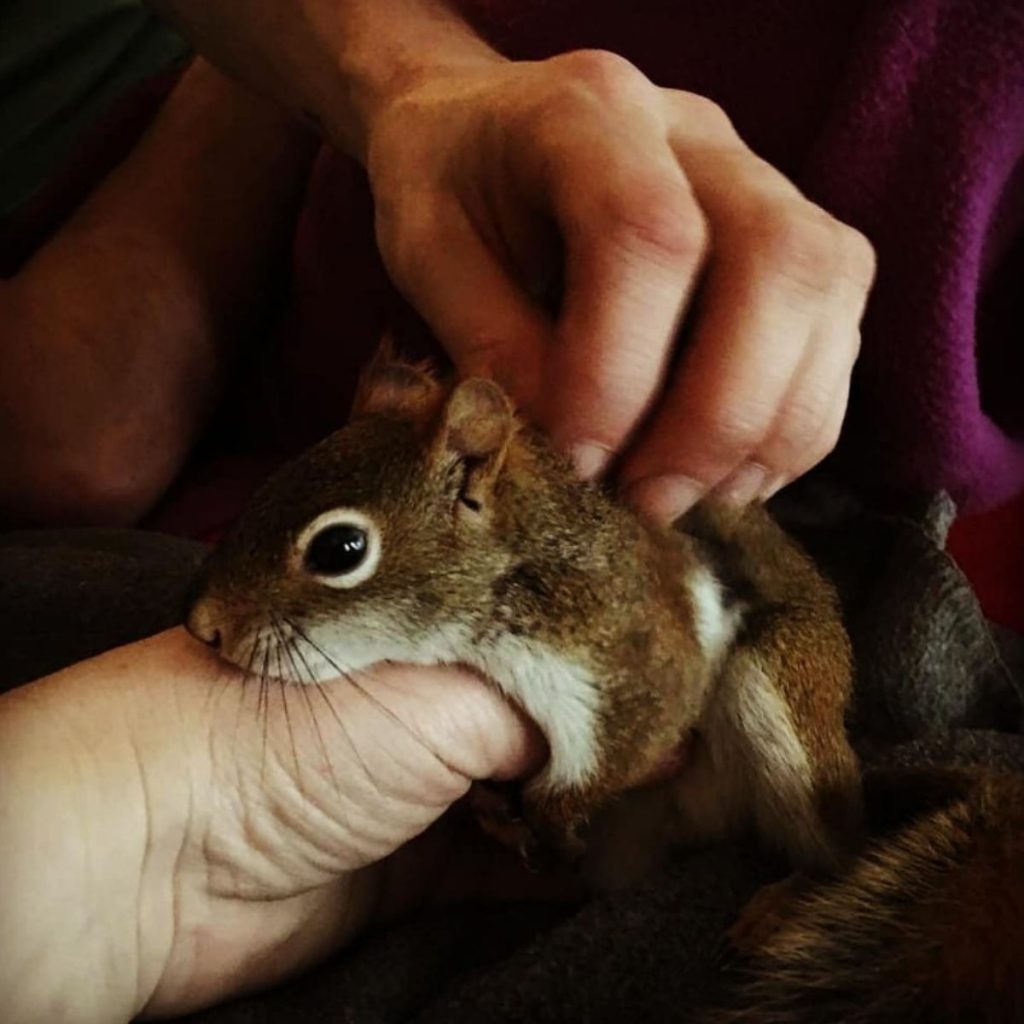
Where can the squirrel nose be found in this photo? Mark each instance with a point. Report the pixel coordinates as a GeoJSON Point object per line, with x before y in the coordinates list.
{"type": "Point", "coordinates": [203, 622]}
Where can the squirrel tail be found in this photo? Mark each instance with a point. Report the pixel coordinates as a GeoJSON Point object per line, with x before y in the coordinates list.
{"type": "Point", "coordinates": [926, 926]}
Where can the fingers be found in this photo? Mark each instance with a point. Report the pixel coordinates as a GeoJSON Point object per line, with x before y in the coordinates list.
{"type": "Point", "coordinates": [650, 190]}
{"type": "Point", "coordinates": [634, 243]}
{"type": "Point", "coordinates": [403, 742]}
{"type": "Point", "coordinates": [634, 239]}
{"type": "Point", "coordinates": [371, 759]}
{"type": "Point", "coordinates": [758, 398]}
{"type": "Point", "coordinates": [449, 717]}
{"type": "Point", "coordinates": [442, 265]}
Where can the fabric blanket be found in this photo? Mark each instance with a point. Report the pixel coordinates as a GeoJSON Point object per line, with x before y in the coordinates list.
{"type": "Point", "coordinates": [936, 685]}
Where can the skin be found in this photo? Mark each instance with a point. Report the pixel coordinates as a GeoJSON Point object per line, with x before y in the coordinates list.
{"type": "Point", "coordinates": [201, 840]}
{"type": "Point", "coordinates": [139, 303]}
{"type": "Point", "coordinates": [652, 190]}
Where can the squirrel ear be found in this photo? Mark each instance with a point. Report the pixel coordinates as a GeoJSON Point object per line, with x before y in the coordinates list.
{"type": "Point", "coordinates": [477, 425]}
{"type": "Point", "coordinates": [392, 386]}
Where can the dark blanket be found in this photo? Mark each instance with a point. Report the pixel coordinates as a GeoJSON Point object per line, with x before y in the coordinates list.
{"type": "Point", "coordinates": [936, 684]}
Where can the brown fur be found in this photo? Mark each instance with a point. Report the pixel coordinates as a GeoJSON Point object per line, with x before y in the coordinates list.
{"type": "Point", "coordinates": [928, 926]}
{"type": "Point", "coordinates": [484, 524]}
{"type": "Point", "coordinates": [792, 652]}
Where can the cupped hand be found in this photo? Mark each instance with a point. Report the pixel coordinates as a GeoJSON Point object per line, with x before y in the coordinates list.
{"type": "Point", "coordinates": [217, 834]}
{"type": "Point", "coordinates": [497, 182]}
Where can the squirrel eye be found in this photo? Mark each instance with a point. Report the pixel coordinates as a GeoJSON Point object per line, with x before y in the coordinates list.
{"type": "Point", "coordinates": [341, 548]}
{"type": "Point", "coordinates": [337, 550]}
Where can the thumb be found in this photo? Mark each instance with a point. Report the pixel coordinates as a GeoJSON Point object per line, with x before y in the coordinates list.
{"type": "Point", "coordinates": [382, 752]}
{"type": "Point", "coordinates": [448, 716]}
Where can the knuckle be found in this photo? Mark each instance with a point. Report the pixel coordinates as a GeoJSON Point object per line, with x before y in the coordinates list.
{"type": "Point", "coordinates": [604, 73]}
{"type": "Point", "coordinates": [553, 109]}
{"type": "Point", "coordinates": [859, 257]}
{"type": "Point", "coordinates": [729, 431]}
{"type": "Point", "coordinates": [658, 218]}
{"type": "Point", "coordinates": [801, 438]}
{"type": "Point", "coordinates": [705, 114]}
{"type": "Point", "coordinates": [800, 242]}
{"type": "Point", "coordinates": [542, 124]}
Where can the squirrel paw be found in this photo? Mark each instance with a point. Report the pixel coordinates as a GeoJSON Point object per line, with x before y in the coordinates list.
{"type": "Point", "coordinates": [498, 810]}
{"type": "Point", "coordinates": [765, 913]}
{"type": "Point", "coordinates": [545, 836]}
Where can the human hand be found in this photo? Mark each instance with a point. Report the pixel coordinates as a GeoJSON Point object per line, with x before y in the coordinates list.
{"type": "Point", "coordinates": [173, 837]}
{"type": "Point", "coordinates": [488, 174]}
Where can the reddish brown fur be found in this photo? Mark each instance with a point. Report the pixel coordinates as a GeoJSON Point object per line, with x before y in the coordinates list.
{"type": "Point", "coordinates": [529, 550]}
{"type": "Point", "coordinates": [927, 927]}
{"type": "Point", "coordinates": [793, 632]}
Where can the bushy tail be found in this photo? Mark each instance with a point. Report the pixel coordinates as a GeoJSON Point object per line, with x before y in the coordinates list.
{"type": "Point", "coordinates": [927, 926]}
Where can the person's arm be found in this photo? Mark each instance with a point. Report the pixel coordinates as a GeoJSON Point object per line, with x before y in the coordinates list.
{"type": "Point", "coordinates": [480, 166]}
{"type": "Point", "coordinates": [336, 62]}
{"type": "Point", "coordinates": [170, 837]}
{"type": "Point", "coordinates": [116, 334]}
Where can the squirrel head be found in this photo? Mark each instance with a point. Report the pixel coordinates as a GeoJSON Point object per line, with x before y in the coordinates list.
{"type": "Point", "coordinates": [379, 543]}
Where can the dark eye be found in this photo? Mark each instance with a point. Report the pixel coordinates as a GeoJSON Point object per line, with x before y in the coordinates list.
{"type": "Point", "coordinates": [337, 550]}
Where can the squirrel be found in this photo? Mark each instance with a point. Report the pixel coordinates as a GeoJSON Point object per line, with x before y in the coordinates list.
{"type": "Point", "coordinates": [436, 527]}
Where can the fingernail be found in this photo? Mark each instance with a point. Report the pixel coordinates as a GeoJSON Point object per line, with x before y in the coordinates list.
{"type": "Point", "coordinates": [773, 486]}
{"type": "Point", "coordinates": [743, 485]}
{"type": "Point", "coordinates": [665, 498]}
{"type": "Point", "coordinates": [589, 459]}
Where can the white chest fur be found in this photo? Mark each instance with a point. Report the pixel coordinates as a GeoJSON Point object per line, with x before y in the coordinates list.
{"type": "Point", "coordinates": [559, 695]}
{"type": "Point", "coordinates": [714, 623]}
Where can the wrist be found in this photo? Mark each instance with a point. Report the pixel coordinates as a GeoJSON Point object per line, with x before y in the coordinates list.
{"type": "Point", "coordinates": [386, 53]}
{"type": "Point", "coordinates": [338, 62]}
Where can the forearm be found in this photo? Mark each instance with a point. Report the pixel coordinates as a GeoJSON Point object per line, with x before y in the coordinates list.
{"type": "Point", "coordinates": [117, 332]}
{"type": "Point", "coordinates": [335, 61]}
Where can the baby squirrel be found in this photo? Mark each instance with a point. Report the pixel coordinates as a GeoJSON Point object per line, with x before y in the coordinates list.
{"type": "Point", "coordinates": [438, 528]}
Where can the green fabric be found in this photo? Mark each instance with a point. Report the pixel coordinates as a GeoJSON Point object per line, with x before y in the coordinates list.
{"type": "Point", "coordinates": [62, 64]}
